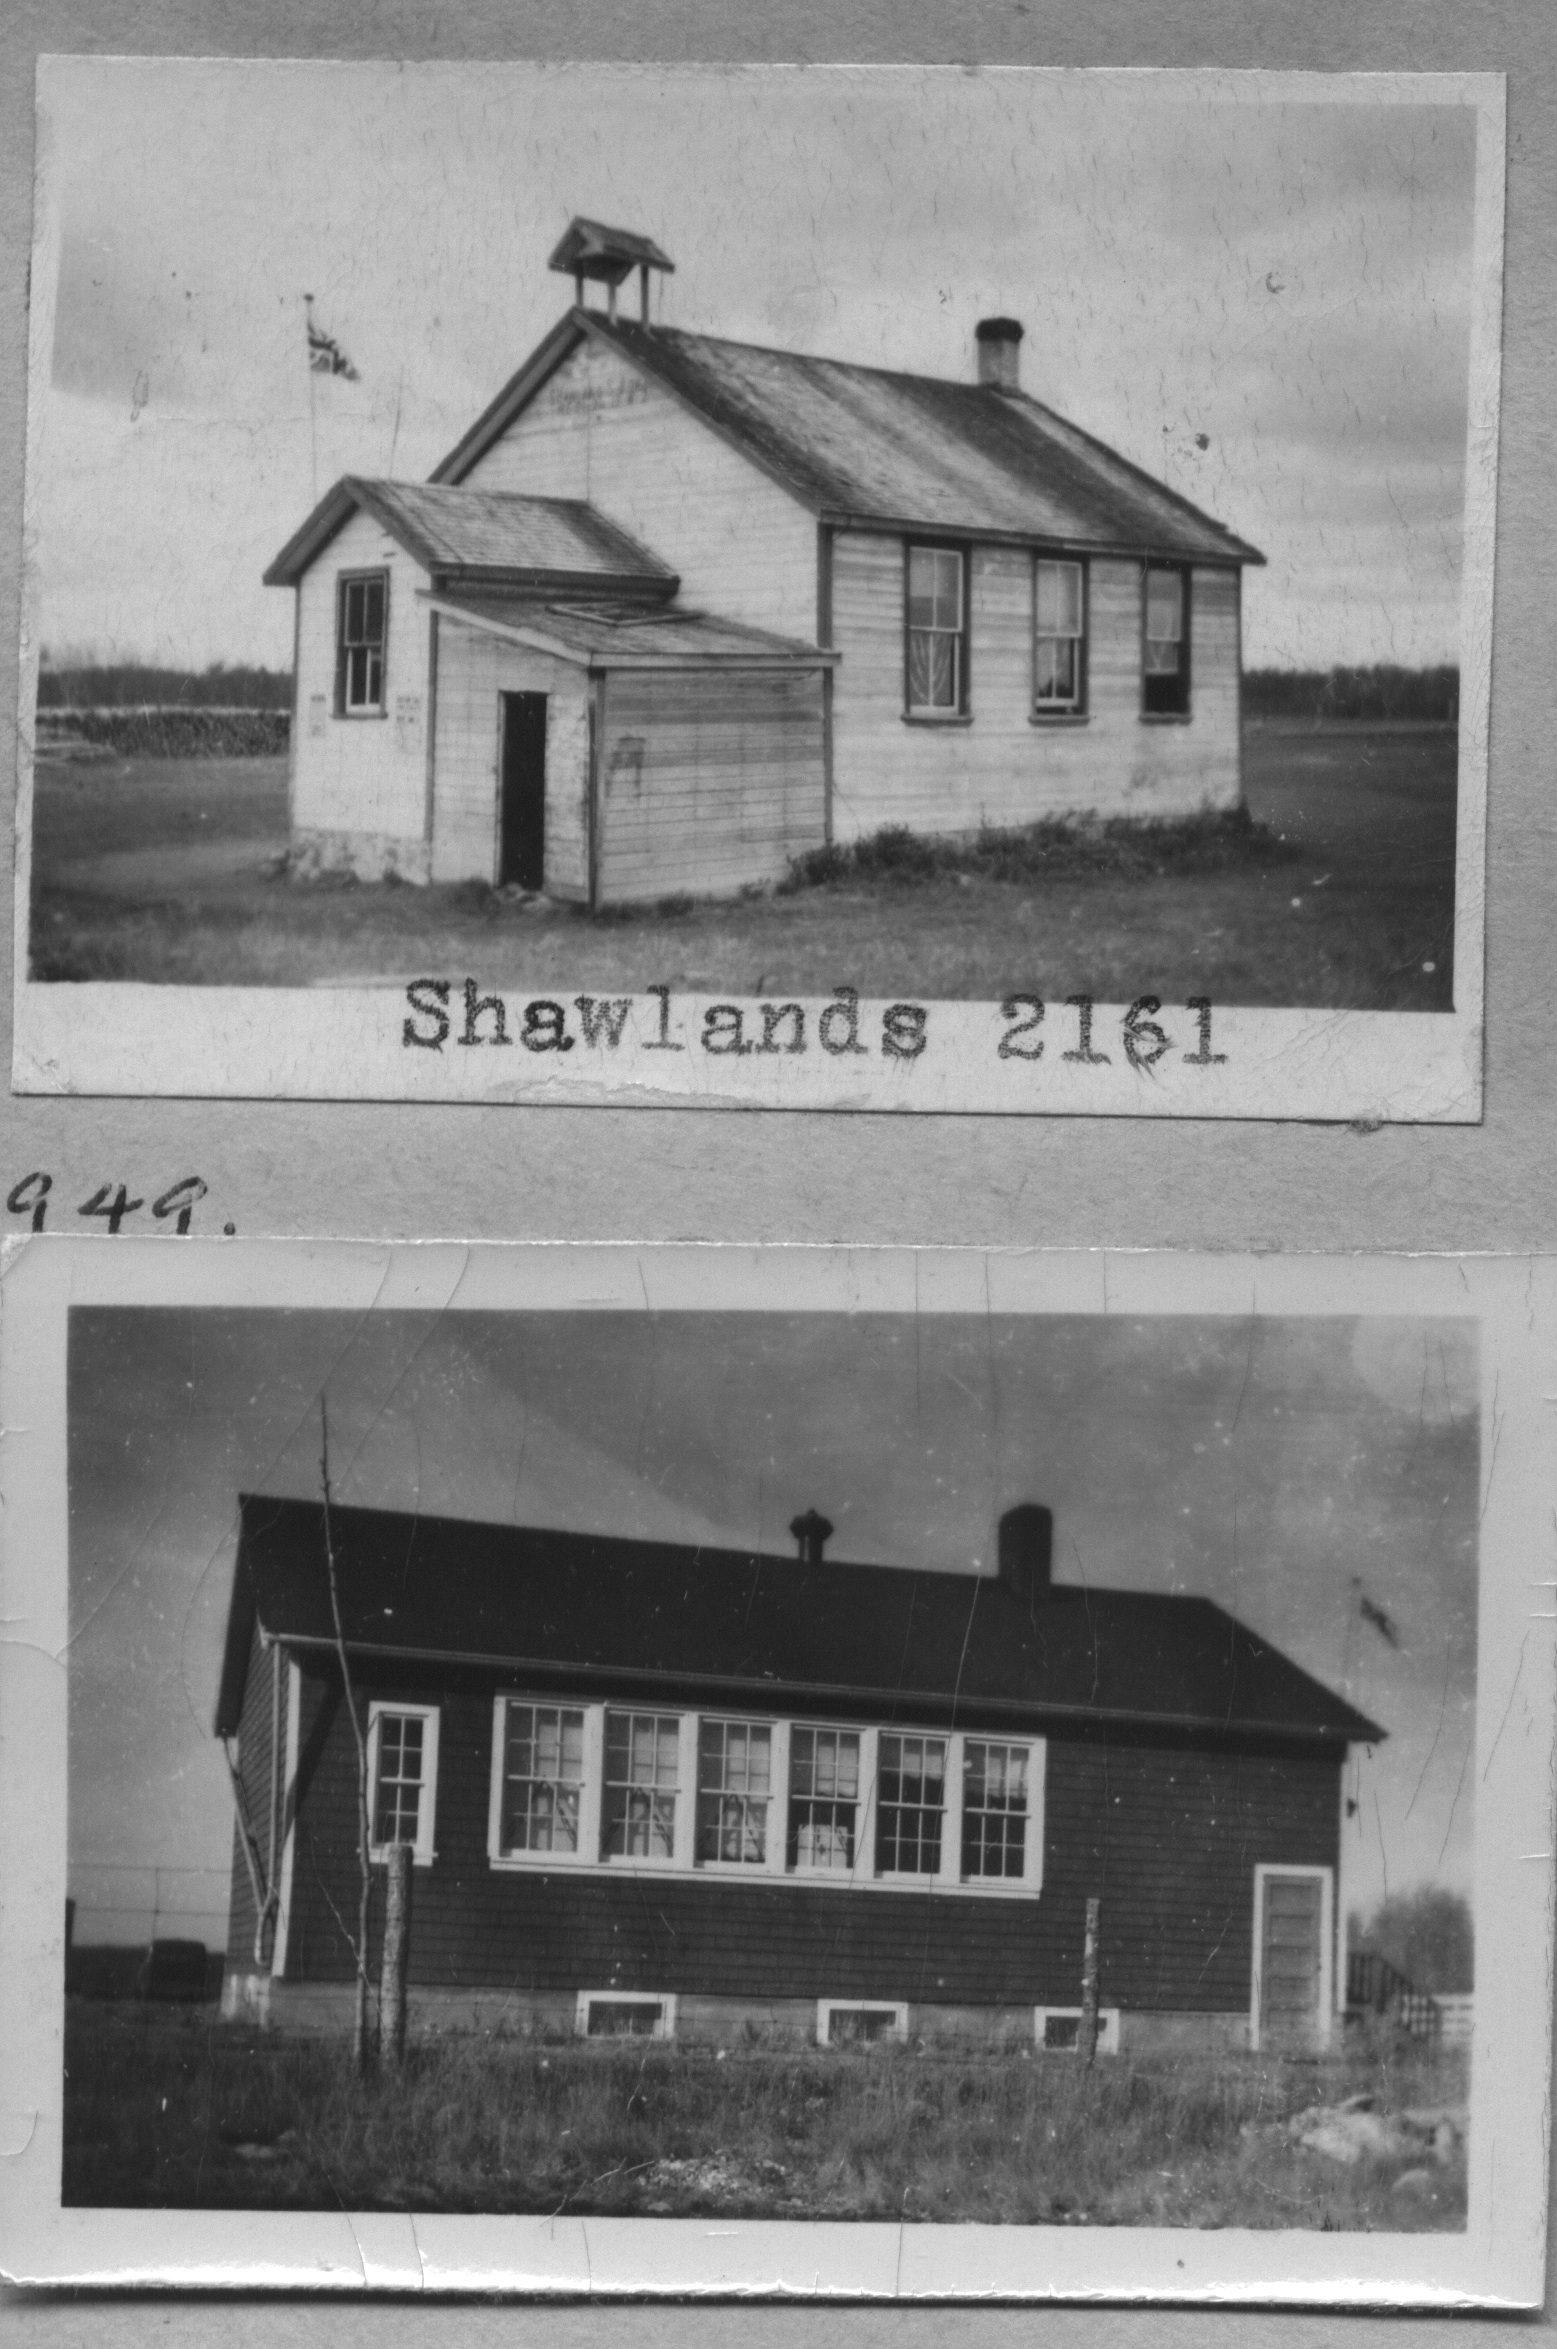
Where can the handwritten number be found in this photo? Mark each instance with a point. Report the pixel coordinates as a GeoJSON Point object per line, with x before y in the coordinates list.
{"type": "Point", "coordinates": [179, 1200]}
{"type": "Point", "coordinates": [30, 1197]}
{"type": "Point", "coordinates": [115, 1209]}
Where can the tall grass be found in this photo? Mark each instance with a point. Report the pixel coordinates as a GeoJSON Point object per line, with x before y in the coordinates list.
{"type": "Point", "coordinates": [181, 2113]}
{"type": "Point", "coordinates": [1059, 848]}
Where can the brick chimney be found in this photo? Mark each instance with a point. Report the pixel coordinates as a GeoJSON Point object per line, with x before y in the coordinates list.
{"type": "Point", "coordinates": [1026, 1550]}
{"type": "Point", "coordinates": [999, 343]}
{"type": "Point", "coordinates": [811, 1533]}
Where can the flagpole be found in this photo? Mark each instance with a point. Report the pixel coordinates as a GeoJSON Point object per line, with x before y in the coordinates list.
{"type": "Point", "coordinates": [313, 429]}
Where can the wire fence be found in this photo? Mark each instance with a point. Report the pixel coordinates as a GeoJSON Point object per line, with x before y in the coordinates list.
{"type": "Point", "coordinates": [120, 1901]}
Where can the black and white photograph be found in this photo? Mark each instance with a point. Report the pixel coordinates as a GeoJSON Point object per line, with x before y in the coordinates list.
{"type": "Point", "coordinates": [853, 587]}
{"type": "Point", "coordinates": [633, 1739]}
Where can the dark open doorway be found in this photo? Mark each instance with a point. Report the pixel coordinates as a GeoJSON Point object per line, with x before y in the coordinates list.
{"type": "Point", "coordinates": [522, 844]}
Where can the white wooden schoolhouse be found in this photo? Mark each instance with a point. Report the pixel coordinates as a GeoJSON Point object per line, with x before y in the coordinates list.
{"type": "Point", "coordinates": [676, 610]}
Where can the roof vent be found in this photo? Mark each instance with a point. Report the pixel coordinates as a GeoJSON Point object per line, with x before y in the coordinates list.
{"type": "Point", "coordinates": [999, 343]}
{"type": "Point", "coordinates": [1026, 1552]}
{"type": "Point", "coordinates": [811, 1532]}
{"type": "Point", "coordinates": [590, 249]}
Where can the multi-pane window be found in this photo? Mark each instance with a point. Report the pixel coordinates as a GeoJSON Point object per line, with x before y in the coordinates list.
{"type": "Point", "coordinates": [910, 1803]}
{"type": "Point", "coordinates": [824, 1795]}
{"type": "Point", "coordinates": [734, 1789]}
{"type": "Point", "coordinates": [1059, 636]}
{"type": "Point", "coordinates": [403, 1762]}
{"type": "Point", "coordinates": [543, 1778]}
{"type": "Point", "coordinates": [642, 1768]}
{"type": "Point", "coordinates": [361, 616]}
{"type": "Point", "coordinates": [994, 1809]}
{"type": "Point", "coordinates": [937, 632]}
{"type": "Point", "coordinates": [1166, 656]}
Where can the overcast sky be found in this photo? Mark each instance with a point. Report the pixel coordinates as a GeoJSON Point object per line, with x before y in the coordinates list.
{"type": "Point", "coordinates": [1286, 1468]}
{"type": "Point", "coordinates": [1266, 304]}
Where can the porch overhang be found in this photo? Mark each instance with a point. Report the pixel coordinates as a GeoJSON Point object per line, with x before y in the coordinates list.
{"type": "Point", "coordinates": [599, 638]}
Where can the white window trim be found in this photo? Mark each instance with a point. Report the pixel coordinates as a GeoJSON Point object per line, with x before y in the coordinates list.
{"type": "Point", "coordinates": [1107, 2028]}
{"type": "Point", "coordinates": [1030, 1881]}
{"type": "Point", "coordinates": [1054, 708]}
{"type": "Point", "coordinates": [589, 1789]}
{"type": "Point", "coordinates": [683, 1863]}
{"type": "Point", "coordinates": [940, 712]}
{"type": "Point", "coordinates": [665, 2000]}
{"type": "Point", "coordinates": [424, 1849]}
{"type": "Point", "coordinates": [1264, 1871]}
{"type": "Point", "coordinates": [826, 2008]}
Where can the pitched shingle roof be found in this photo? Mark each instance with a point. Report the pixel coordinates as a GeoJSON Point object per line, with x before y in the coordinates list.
{"type": "Point", "coordinates": [538, 541]}
{"type": "Point", "coordinates": [863, 444]}
{"type": "Point", "coordinates": [597, 1612]}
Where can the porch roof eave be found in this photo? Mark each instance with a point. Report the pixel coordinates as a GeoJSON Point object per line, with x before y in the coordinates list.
{"type": "Point", "coordinates": [600, 657]}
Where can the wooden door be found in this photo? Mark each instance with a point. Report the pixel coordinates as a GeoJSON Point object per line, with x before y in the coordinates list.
{"type": "Point", "coordinates": [522, 800]}
{"type": "Point", "coordinates": [1291, 1959]}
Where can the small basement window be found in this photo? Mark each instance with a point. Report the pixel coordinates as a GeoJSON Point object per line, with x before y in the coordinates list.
{"type": "Point", "coordinates": [625, 2014]}
{"type": "Point", "coordinates": [403, 1778]}
{"type": "Point", "coordinates": [860, 2022]}
{"type": "Point", "coordinates": [1057, 2029]}
{"type": "Point", "coordinates": [1165, 679]}
{"type": "Point", "coordinates": [361, 626]}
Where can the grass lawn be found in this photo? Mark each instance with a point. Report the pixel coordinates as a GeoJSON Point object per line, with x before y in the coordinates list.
{"type": "Point", "coordinates": [177, 2110]}
{"type": "Point", "coordinates": [1343, 896]}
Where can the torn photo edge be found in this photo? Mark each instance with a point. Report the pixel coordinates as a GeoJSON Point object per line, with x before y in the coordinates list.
{"type": "Point", "coordinates": [1497, 2262]}
{"type": "Point", "coordinates": [684, 1045]}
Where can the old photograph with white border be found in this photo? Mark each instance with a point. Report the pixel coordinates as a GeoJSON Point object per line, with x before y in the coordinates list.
{"type": "Point", "coordinates": [796, 1769]}
{"type": "Point", "coordinates": [843, 587]}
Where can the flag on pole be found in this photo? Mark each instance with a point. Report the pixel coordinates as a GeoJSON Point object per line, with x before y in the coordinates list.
{"type": "Point", "coordinates": [325, 356]}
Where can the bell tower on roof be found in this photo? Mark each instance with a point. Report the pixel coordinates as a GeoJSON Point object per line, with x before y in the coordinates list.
{"type": "Point", "coordinates": [592, 250]}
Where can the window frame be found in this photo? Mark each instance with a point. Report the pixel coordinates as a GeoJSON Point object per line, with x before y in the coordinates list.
{"type": "Point", "coordinates": [1036, 1749]}
{"type": "Point", "coordinates": [588, 1819]}
{"type": "Point", "coordinates": [684, 1862]}
{"type": "Point", "coordinates": [827, 2008]}
{"type": "Point", "coordinates": [344, 706]}
{"type": "Point", "coordinates": [777, 1798]}
{"type": "Point", "coordinates": [1180, 708]}
{"type": "Point", "coordinates": [1046, 713]}
{"type": "Point", "coordinates": [665, 2000]}
{"type": "Point", "coordinates": [960, 710]}
{"type": "Point", "coordinates": [1107, 2028]}
{"type": "Point", "coordinates": [911, 1876]}
{"type": "Point", "coordinates": [424, 1846]}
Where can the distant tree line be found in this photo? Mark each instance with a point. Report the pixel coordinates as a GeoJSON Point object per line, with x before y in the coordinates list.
{"type": "Point", "coordinates": [129, 685]}
{"type": "Point", "coordinates": [1428, 1934]}
{"type": "Point", "coordinates": [1382, 691]}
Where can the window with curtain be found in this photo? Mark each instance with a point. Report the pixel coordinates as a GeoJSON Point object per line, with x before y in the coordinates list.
{"type": "Point", "coordinates": [937, 633]}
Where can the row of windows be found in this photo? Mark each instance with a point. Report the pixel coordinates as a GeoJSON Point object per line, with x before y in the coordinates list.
{"type": "Point", "coordinates": [936, 638]}
{"type": "Point", "coordinates": [591, 1785]}
{"type": "Point", "coordinates": [936, 619]}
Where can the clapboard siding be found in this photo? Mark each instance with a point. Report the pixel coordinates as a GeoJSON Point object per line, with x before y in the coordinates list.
{"type": "Point", "coordinates": [1166, 1837]}
{"type": "Point", "coordinates": [708, 781]}
{"type": "Point", "coordinates": [361, 775]}
{"type": "Point", "coordinates": [473, 670]}
{"type": "Point", "coordinates": [254, 1770]}
{"type": "Point", "coordinates": [1002, 768]}
{"type": "Point", "coordinates": [600, 430]}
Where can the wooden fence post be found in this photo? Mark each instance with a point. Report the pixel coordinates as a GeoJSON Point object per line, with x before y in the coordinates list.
{"type": "Point", "coordinates": [397, 1943]}
{"type": "Point", "coordinates": [1087, 2035]}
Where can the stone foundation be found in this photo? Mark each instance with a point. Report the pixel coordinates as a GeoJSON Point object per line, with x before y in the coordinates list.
{"type": "Point", "coordinates": [365, 856]}
{"type": "Point", "coordinates": [325, 2009]}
